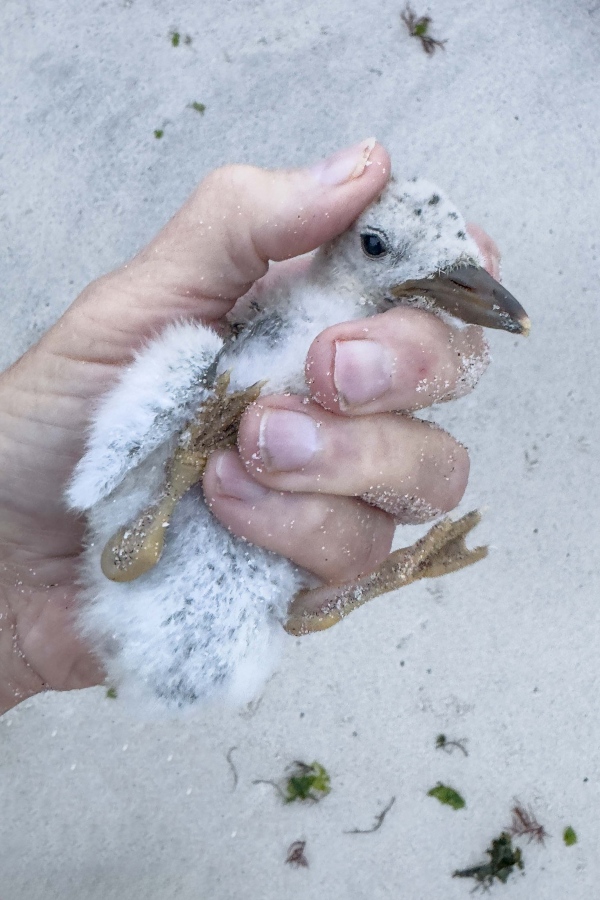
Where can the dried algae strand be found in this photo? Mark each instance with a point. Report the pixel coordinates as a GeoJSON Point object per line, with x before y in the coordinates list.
{"type": "Point", "coordinates": [449, 746]}
{"type": "Point", "coordinates": [525, 824]}
{"type": "Point", "coordinates": [296, 856]}
{"type": "Point", "coordinates": [232, 766]}
{"type": "Point", "coordinates": [379, 820]}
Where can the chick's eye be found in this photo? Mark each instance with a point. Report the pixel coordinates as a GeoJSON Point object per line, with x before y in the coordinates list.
{"type": "Point", "coordinates": [373, 244]}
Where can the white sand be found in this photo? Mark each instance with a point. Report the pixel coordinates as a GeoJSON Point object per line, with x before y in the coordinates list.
{"type": "Point", "coordinates": [96, 806]}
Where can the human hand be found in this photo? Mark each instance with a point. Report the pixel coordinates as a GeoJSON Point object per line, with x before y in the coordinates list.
{"type": "Point", "coordinates": [210, 253]}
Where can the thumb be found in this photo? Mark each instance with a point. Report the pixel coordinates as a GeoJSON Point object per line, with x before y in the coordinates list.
{"type": "Point", "coordinates": [218, 244]}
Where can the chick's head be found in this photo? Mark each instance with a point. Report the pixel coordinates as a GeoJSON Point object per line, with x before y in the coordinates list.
{"type": "Point", "coordinates": [411, 247]}
{"type": "Point", "coordinates": [410, 232]}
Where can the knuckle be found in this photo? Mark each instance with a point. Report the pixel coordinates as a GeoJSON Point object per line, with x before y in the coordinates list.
{"type": "Point", "coordinates": [456, 478]}
{"type": "Point", "coordinates": [100, 288]}
{"type": "Point", "coordinates": [236, 191]}
{"type": "Point", "coordinates": [318, 372]}
{"type": "Point", "coordinates": [362, 539]}
{"type": "Point", "coordinates": [382, 536]}
{"type": "Point", "coordinates": [101, 299]}
{"type": "Point", "coordinates": [226, 178]}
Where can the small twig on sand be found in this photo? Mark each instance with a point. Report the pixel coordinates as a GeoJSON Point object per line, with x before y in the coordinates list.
{"type": "Point", "coordinates": [442, 743]}
{"type": "Point", "coordinates": [273, 784]}
{"type": "Point", "coordinates": [378, 821]}
{"type": "Point", "coordinates": [232, 767]}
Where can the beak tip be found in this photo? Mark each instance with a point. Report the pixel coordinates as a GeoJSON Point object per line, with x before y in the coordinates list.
{"type": "Point", "coordinates": [525, 324]}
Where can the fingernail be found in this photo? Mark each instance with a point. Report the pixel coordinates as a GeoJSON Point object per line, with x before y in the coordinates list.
{"type": "Point", "coordinates": [233, 480]}
{"type": "Point", "coordinates": [344, 165]}
{"type": "Point", "coordinates": [362, 371]}
{"type": "Point", "coordinates": [287, 440]}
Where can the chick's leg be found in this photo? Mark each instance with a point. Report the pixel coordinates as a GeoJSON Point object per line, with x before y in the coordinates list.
{"type": "Point", "coordinates": [138, 546]}
{"type": "Point", "coordinates": [440, 551]}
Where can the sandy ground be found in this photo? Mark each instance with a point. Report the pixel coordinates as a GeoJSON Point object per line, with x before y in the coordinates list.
{"type": "Point", "coordinates": [95, 805]}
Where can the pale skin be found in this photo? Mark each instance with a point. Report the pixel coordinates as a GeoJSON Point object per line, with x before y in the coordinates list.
{"type": "Point", "coordinates": [309, 513]}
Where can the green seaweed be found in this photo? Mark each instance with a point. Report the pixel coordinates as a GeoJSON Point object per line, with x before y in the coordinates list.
{"type": "Point", "coordinates": [418, 27]}
{"type": "Point", "coordinates": [503, 859]}
{"type": "Point", "coordinates": [304, 782]}
{"type": "Point", "coordinates": [307, 782]}
{"type": "Point", "coordinates": [199, 107]}
{"type": "Point", "coordinates": [177, 38]}
{"type": "Point", "coordinates": [158, 133]}
{"type": "Point", "coordinates": [447, 795]}
{"type": "Point", "coordinates": [111, 693]}
{"type": "Point", "coordinates": [569, 836]}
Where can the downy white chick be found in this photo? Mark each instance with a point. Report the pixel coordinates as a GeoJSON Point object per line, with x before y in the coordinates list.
{"type": "Point", "coordinates": [206, 620]}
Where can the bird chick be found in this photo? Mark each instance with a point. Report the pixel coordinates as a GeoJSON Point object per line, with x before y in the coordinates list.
{"type": "Point", "coordinates": [178, 609]}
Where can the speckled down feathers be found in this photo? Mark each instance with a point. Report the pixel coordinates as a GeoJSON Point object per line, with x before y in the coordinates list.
{"type": "Point", "coordinates": [206, 621]}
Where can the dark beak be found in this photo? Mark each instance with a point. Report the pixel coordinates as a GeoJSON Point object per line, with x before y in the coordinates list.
{"type": "Point", "coordinates": [470, 294]}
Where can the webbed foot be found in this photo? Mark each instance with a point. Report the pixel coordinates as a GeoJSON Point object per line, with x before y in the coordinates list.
{"type": "Point", "coordinates": [440, 551]}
